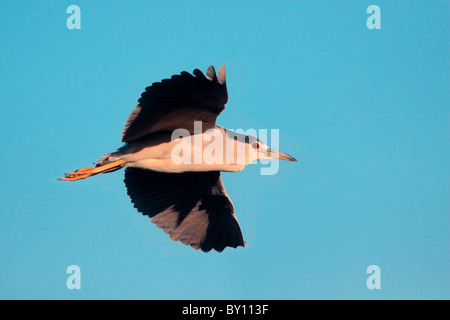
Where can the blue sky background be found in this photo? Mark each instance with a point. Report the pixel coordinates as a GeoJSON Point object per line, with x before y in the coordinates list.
{"type": "Point", "coordinates": [366, 113]}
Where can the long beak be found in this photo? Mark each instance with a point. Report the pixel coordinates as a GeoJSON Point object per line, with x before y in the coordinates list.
{"type": "Point", "coordinates": [275, 154]}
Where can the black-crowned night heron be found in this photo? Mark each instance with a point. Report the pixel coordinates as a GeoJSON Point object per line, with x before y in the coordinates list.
{"type": "Point", "coordinates": [173, 155]}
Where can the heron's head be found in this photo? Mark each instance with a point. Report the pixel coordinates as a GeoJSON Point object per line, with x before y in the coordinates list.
{"type": "Point", "coordinates": [260, 151]}
{"type": "Point", "coordinates": [247, 149]}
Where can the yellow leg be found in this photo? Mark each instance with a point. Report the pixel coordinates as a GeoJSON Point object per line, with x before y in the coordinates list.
{"type": "Point", "coordinates": [84, 173]}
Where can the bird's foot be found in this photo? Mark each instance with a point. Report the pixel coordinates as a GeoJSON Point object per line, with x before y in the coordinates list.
{"type": "Point", "coordinates": [82, 173]}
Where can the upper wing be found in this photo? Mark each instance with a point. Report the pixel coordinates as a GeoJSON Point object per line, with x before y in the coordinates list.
{"type": "Point", "coordinates": [178, 102]}
{"type": "Point", "coordinates": [192, 207]}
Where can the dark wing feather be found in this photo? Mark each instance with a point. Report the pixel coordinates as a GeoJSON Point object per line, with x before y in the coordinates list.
{"type": "Point", "coordinates": [177, 102]}
{"type": "Point", "coordinates": [192, 207]}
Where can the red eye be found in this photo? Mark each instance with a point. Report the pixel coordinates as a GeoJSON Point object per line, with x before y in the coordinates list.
{"type": "Point", "coordinates": [255, 145]}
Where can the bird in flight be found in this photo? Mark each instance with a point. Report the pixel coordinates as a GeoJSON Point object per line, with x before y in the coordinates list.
{"type": "Point", "coordinates": [173, 155]}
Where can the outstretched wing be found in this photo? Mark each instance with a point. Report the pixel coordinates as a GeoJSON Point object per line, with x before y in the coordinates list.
{"type": "Point", "coordinates": [192, 207]}
{"type": "Point", "coordinates": [177, 102]}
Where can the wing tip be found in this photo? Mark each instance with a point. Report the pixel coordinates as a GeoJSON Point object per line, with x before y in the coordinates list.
{"type": "Point", "coordinates": [211, 74]}
{"type": "Point", "coordinates": [221, 249]}
{"type": "Point", "coordinates": [221, 74]}
{"type": "Point", "coordinates": [216, 77]}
